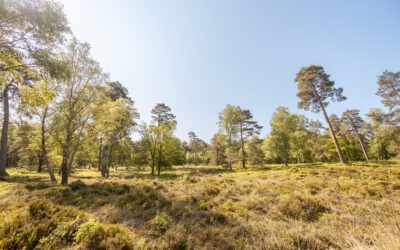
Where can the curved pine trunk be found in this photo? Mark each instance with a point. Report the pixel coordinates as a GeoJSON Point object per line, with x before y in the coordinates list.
{"type": "Point", "coordinates": [360, 140]}
{"type": "Point", "coordinates": [333, 135]}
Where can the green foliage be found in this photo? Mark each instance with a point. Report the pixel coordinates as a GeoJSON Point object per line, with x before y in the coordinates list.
{"type": "Point", "coordinates": [163, 221]}
{"type": "Point", "coordinates": [196, 151]}
{"type": "Point", "coordinates": [145, 197]}
{"type": "Point", "coordinates": [315, 88]}
{"type": "Point", "coordinates": [218, 149]}
{"type": "Point", "coordinates": [389, 89]}
{"type": "Point", "coordinates": [92, 235]}
{"type": "Point", "coordinates": [228, 121]}
{"type": "Point", "coordinates": [42, 220]}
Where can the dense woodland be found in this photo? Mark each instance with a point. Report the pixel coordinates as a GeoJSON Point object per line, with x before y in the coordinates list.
{"type": "Point", "coordinates": [61, 111]}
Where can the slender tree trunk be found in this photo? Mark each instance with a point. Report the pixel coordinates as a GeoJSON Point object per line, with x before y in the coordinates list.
{"type": "Point", "coordinates": [100, 151]}
{"type": "Point", "coordinates": [153, 159]}
{"type": "Point", "coordinates": [71, 160]}
{"type": "Point", "coordinates": [230, 154]}
{"type": "Point", "coordinates": [360, 140]}
{"type": "Point", "coordinates": [104, 167]}
{"type": "Point", "coordinates": [64, 166]}
{"type": "Point", "coordinates": [109, 160]}
{"type": "Point", "coordinates": [333, 135]}
{"type": "Point", "coordinates": [49, 168]}
{"type": "Point", "coordinates": [40, 162]}
{"type": "Point", "coordinates": [152, 166]}
{"type": "Point", "coordinates": [43, 151]}
{"type": "Point", "coordinates": [363, 147]}
{"type": "Point", "coordinates": [4, 131]}
{"type": "Point", "coordinates": [43, 142]}
{"type": "Point", "coordinates": [159, 160]}
{"type": "Point", "coordinates": [243, 151]}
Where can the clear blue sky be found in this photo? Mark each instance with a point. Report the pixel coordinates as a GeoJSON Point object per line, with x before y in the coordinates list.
{"type": "Point", "coordinates": [196, 56]}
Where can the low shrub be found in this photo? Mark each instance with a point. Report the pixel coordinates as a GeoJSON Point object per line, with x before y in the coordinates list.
{"type": "Point", "coordinates": [38, 186]}
{"type": "Point", "coordinates": [93, 235]}
{"type": "Point", "coordinates": [27, 230]}
{"type": "Point", "coordinates": [64, 234]}
{"type": "Point", "coordinates": [162, 221]}
{"type": "Point", "coordinates": [146, 197]}
{"type": "Point", "coordinates": [78, 184]}
{"type": "Point", "coordinates": [301, 208]}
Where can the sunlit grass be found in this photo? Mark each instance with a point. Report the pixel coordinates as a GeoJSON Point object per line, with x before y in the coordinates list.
{"type": "Point", "coordinates": [314, 206]}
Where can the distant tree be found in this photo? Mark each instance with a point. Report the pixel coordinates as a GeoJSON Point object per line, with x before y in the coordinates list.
{"type": "Point", "coordinates": [112, 123]}
{"type": "Point", "coordinates": [166, 124]}
{"type": "Point", "coordinates": [299, 138]}
{"type": "Point", "coordinates": [139, 152]}
{"type": "Point", "coordinates": [195, 146]}
{"type": "Point", "coordinates": [389, 89]}
{"type": "Point", "coordinates": [247, 128]}
{"type": "Point", "coordinates": [316, 141]}
{"type": "Point", "coordinates": [352, 123]}
{"type": "Point", "coordinates": [173, 152]}
{"type": "Point", "coordinates": [255, 152]}
{"type": "Point", "coordinates": [383, 143]}
{"type": "Point", "coordinates": [314, 88]}
{"type": "Point", "coordinates": [218, 149]}
{"type": "Point", "coordinates": [229, 120]}
{"type": "Point", "coordinates": [186, 149]}
{"type": "Point", "coordinates": [283, 125]}
{"type": "Point", "coordinates": [117, 91]}
{"type": "Point", "coordinates": [161, 113]}
{"type": "Point", "coordinates": [151, 137]}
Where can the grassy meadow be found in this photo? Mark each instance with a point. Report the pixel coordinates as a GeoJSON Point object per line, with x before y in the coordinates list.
{"type": "Point", "coordinates": [310, 206]}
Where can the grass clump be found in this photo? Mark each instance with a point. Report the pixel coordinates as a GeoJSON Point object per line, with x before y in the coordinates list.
{"type": "Point", "coordinates": [31, 228]}
{"type": "Point", "coordinates": [45, 225]}
{"type": "Point", "coordinates": [93, 235]}
{"type": "Point", "coordinates": [301, 208]}
{"type": "Point", "coordinates": [78, 184]}
{"type": "Point", "coordinates": [162, 221]}
{"type": "Point", "coordinates": [145, 197]}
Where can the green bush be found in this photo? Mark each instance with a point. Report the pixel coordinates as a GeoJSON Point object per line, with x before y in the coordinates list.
{"type": "Point", "coordinates": [146, 197]}
{"type": "Point", "coordinates": [93, 235]}
{"type": "Point", "coordinates": [26, 230]}
{"type": "Point", "coordinates": [163, 221]}
{"type": "Point", "coordinates": [64, 234]}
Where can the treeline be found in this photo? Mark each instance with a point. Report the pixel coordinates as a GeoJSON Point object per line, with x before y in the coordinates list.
{"type": "Point", "coordinates": [62, 111]}
{"type": "Point", "coordinates": [296, 139]}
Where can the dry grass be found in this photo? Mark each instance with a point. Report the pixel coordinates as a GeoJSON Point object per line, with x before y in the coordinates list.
{"type": "Point", "coordinates": [316, 206]}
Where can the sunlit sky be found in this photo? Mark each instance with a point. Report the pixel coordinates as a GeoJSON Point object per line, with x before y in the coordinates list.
{"type": "Point", "coordinates": [199, 55]}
